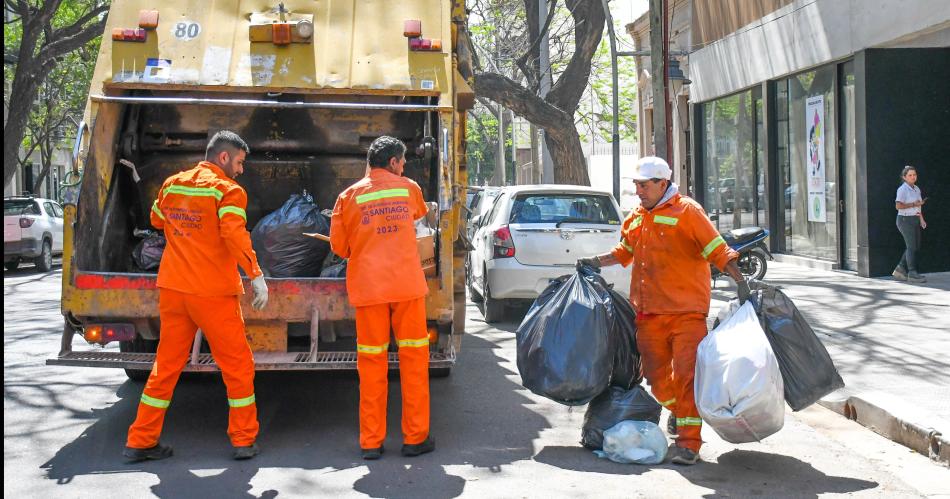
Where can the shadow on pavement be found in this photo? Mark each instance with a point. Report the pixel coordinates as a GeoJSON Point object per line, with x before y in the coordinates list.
{"type": "Point", "coordinates": [310, 421]}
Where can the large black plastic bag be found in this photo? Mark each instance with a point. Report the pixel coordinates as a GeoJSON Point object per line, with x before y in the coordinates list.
{"type": "Point", "coordinates": [564, 350]}
{"type": "Point", "coordinates": [147, 254]}
{"type": "Point", "coordinates": [627, 372]}
{"type": "Point", "coordinates": [614, 405]}
{"type": "Point", "coordinates": [807, 370]}
{"type": "Point", "coordinates": [282, 249]}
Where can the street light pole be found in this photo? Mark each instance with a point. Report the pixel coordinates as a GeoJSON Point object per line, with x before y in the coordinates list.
{"type": "Point", "coordinates": [615, 134]}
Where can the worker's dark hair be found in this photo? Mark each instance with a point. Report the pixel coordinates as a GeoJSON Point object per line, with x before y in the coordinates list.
{"type": "Point", "coordinates": [907, 169]}
{"type": "Point", "coordinates": [383, 149]}
{"type": "Point", "coordinates": [224, 140]}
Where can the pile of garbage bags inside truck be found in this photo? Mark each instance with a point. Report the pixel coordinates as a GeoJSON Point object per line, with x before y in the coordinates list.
{"type": "Point", "coordinates": [577, 345]}
{"type": "Point", "coordinates": [281, 246]}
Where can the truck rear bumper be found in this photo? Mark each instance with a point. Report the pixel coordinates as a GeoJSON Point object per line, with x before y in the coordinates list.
{"type": "Point", "coordinates": [289, 361]}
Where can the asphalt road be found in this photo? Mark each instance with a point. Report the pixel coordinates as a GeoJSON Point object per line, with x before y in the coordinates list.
{"type": "Point", "coordinates": [64, 430]}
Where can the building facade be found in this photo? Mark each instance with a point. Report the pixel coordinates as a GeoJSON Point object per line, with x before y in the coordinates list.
{"type": "Point", "coordinates": [802, 114]}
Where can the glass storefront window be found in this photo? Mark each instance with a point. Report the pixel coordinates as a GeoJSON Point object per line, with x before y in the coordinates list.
{"type": "Point", "coordinates": [810, 194]}
{"type": "Point", "coordinates": [729, 160]}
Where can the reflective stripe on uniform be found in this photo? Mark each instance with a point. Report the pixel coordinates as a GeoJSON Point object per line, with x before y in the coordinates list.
{"type": "Point", "coordinates": [386, 193]}
{"type": "Point", "coordinates": [372, 349]}
{"type": "Point", "coordinates": [244, 402]}
{"type": "Point", "coordinates": [157, 210]}
{"type": "Point", "coordinates": [623, 242]}
{"type": "Point", "coordinates": [232, 209]}
{"type": "Point", "coordinates": [660, 219]}
{"type": "Point", "coordinates": [636, 222]}
{"type": "Point", "coordinates": [421, 342]}
{"type": "Point", "coordinates": [668, 403]}
{"type": "Point", "coordinates": [154, 402]}
{"type": "Point", "coordinates": [718, 240]}
{"type": "Point", "coordinates": [194, 191]}
{"type": "Point", "coordinates": [689, 422]}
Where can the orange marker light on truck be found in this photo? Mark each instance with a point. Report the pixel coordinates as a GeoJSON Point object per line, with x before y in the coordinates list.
{"type": "Point", "coordinates": [280, 33]}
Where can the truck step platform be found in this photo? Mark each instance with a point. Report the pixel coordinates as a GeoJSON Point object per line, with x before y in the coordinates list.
{"type": "Point", "coordinates": [276, 361]}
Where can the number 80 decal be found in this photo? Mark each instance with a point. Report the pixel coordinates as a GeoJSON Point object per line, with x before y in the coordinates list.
{"type": "Point", "coordinates": [186, 30]}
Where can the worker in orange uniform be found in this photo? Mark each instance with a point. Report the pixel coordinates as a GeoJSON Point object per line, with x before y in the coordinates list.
{"type": "Point", "coordinates": [670, 241]}
{"type": "Point", "coordinates": [373, 225]}
{"type": "Point", "coordinates": [202, 211]}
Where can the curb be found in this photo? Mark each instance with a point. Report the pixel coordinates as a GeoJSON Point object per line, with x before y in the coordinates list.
{"type": "Point", "coordinates": [889, 417]}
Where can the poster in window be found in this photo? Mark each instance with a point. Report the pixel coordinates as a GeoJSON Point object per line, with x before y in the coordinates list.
{"type": "Point", "coordinates": [815, 136]}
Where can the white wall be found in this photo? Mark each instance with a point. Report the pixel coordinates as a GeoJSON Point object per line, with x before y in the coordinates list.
{"type": "Point", "coordinates": [808, 33]}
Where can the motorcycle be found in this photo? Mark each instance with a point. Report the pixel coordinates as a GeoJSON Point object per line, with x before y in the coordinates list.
{"type": "Point", "coordinates": [754, 254]}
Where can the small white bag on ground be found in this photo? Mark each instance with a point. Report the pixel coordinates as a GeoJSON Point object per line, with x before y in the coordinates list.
{"type": "Point", "coordinates": [634, 442]}
{"type": "Point", "coordinates": [738, 384]}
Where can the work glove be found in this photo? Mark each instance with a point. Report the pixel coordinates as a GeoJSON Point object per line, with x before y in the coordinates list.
{"type": "Point", "coordinates": [590, 262]}
{"type": "Point", "coordinates": [260, 293]}
{"type": "Point", "coordinates": [744, 291]}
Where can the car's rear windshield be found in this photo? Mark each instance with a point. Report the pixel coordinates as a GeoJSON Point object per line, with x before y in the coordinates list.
{"type": "Point", "coordinates": [563, 207]}
{"type": "Point", "coordinates": [20, 207]}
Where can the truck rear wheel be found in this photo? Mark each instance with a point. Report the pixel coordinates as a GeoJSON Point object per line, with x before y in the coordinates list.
{"type": "Point", "coordinates": [138, 345]}
{"type": "Point", "coordinates": [440, 372]}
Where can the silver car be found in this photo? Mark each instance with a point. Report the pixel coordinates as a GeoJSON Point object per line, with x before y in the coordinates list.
{"type": "Point", "coordinates": [32, 230]}
{"type": "Point", "coordinates": [535, 234]}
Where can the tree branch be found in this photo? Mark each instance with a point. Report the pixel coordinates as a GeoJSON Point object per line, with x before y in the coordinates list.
{"type": "Point", "coordinates": [521, 62]}
{"type": "Point", "coordinates": [588, 29]}
{"type": "Point", "coordinates": [515, 97]}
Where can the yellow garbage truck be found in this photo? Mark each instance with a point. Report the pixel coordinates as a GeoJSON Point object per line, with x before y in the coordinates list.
{"type": "Point", "coordinates": [309, 85]}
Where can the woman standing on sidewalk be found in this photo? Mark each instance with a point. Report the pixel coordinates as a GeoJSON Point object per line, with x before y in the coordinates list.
{"type": "Point", "coordinates": [910, 220]}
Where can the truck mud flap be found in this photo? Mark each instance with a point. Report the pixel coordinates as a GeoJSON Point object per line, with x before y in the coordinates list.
{"type": "Point", "coordinates": [279, 361]}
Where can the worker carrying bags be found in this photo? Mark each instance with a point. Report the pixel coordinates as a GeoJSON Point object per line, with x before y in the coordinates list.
{"type": "Point", "coordinates": [281, 246]}
{"type": "Point", "coordinates": [738, 385]}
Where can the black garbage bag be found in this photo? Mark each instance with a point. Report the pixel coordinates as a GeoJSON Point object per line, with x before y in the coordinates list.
{"type": "Point", "coordinates": [282, 249]}
{"type": "Point", "coordinates": [147, 254]}
{"type": "Point", "coordinates": [614, 405]}
{"type": "Point", "coordinates": [807, 370]}
{"type": "Point", "coordinates": [564, 350]}
{"type": "Point", "coordinates": [627, 371]}
{"type": "Point", "coordinates": [336, 270]}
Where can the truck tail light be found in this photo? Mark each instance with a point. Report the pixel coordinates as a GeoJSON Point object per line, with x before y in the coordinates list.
{"type": "Point", "coordinates": [503, 243]}
{"type": "Point", "coordinates": [105, 333]}
{"type": "Point", "coordinates": [26, 223]}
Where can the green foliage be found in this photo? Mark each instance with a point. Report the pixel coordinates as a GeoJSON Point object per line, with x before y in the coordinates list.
{"type": "Point", "coordinates": [595, 114]}
{"type": "Point", "coordinates": [482, 145]}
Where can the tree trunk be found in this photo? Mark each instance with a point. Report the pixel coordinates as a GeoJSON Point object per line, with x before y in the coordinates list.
{"type": "Point", "coordinates": [25, 86]}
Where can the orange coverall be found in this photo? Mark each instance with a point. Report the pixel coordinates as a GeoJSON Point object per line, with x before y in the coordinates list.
{"type": "Point", "coordinates": [671, 247]}
{"type": "Point", "coordinates": [202, 212]}
{"type": "Point", "coordinates": [373, 226]}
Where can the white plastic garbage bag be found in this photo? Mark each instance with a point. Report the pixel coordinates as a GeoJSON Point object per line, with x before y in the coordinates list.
{"type": "Point", "coordinates": [634, 442]}
{"type": "Point", "coordinates": [738, 384]}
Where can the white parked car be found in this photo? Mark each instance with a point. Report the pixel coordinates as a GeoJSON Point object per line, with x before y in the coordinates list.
{"type": "Point", "coordinates": [33, 230]}
{"type": "Point", "coordinates": [534, 234]}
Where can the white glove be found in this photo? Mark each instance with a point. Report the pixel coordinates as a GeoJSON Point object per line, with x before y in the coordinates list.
{"type": "Point", "coordinates": [260, 293]}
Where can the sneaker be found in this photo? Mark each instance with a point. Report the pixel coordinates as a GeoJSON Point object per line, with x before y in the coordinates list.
{"type": "Point", "coordinates": [913, 276]}
{"type": "Point", "coordinates": [671, 425]}
{"type": "Point", "coordinates": [372, 454]}
{"type": "Point", "coordinates": [413, 450]}
{"type": "Point", "coordinates": [155, 453]}
{"type": "Point", "coordinates": [246, 452]}
{"type": "Point", "coordinates": [682, 455]}
{"type": "Point", "coordinates": [899, 274]}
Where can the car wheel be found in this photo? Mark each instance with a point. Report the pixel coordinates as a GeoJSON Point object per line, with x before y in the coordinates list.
{"type": "Point", "coordinates": [753, 265]}
{"type": "Point", "coordinates": [44, 262]}
{"type": "Point", "coordinates": [138, 345]}
{"type": "Point", "coordinates": [12, 264]}
{"type": "Point", "coordinates": [494, 309]}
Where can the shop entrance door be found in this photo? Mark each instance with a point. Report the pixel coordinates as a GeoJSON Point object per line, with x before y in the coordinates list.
{"type": "Point", "coordinates": [848, 173]}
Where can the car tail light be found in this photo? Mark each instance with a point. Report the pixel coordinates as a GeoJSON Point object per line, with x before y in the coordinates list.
{"type": "Point", "coordinates": [105, 333]}
{"type": "Point", "coordinates": [25, 223]}
{"type": "Point", "coordinates": [504, 245]}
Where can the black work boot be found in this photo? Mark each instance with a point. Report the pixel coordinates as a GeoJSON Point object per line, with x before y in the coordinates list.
{"type": "Point", "coordinates": [159, 451]}
{"type": "Point", "coordinates": [372, 454]}
{"type": "Point", "coordinates": [671, 425]}
{"type": "Point", "coordinates": [246, 452]}
{"type": "Point", "coordinates": [424, 447]}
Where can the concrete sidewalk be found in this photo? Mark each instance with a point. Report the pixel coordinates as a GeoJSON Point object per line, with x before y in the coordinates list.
{"type": "Point", "coordinates": [889, 340]}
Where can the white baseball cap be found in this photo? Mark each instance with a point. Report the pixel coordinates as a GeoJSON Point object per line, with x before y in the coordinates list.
{"type": "Point", "coordinates": [651, 167]}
